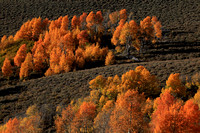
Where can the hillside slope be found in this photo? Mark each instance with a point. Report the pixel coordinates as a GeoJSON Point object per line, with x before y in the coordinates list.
{"type": "Point", "coordinates": [181, 17]}
{"type": "Point", "coordinates": [62, 88]}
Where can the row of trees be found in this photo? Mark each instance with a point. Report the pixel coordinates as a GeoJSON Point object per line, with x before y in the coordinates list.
{"type": "Point", "coordinates": [61, 46]}
{"type": "Point", "coordinates": [133, 103]}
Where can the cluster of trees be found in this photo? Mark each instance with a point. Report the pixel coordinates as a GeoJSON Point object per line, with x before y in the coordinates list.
{"type": "Point", "coordinates": [62, 45]}
{"type": "Point", "coordinates": [133, 103]}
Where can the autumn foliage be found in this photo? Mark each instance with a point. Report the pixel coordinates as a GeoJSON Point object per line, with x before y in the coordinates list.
{"type": "Point", "coordinates": [119, 104]}
{"type": "Point", "coordinates": [171, 115]}
{"type": "Point", "coordinates": [64, 45]}
{"type": "Point", "coordinates": [26, 67]}
{"type": "Point", "coordinates": [7, 68]}
{"type": "Point", "coordinates": [20, 56]}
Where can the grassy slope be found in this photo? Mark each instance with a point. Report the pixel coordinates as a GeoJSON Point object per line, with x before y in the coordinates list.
{"type": "Point", "coordinates": [182, 18]}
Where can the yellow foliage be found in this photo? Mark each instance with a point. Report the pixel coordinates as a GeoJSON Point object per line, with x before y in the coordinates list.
{"type": "Point", "coordinates": [175, 85]}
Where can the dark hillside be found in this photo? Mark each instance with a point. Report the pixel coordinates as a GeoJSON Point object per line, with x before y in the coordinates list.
{"type": "Point", "coordinates": [180, 17]}
{"type": "Point", "coordinates": [62, 88]}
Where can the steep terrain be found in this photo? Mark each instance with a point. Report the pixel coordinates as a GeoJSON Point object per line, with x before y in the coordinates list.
{"type": "Point", "coordinates": [178, 51]}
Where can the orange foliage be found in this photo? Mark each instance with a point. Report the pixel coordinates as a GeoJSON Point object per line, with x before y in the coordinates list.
{"type": "Point", "coordinates": [31, 29]}
{"type": "Point", "coordinates": [65, 23]}
{"type": "Point", "coordinates": [3, 39]}
{"type": "Point", "coordinates": [116, 34]}
{"type": "Point", "coordinates": [7, 68]}
{"type": "Point", "coordinates": [94, 53]}
{"type": "Point", "coordinates": [98, 17]}
{"type": "Point", "coordinates": [63, 123]}
{"type": "Point", "coordinates": [20, 56]}
{"type": "Point", "coordinates": [75, 22]}
{"type": "Point", "coordinates": [90, 19]}
{"type": "Point", "coordinates": [157, 28]}
{"type": "Point", "coordinates": [80, 57]}
{"type": "Point", "coordinates": [49, 72]}
{"type": "Point", "coordinates": [101, 122]}
{"type": "Point", "coordinates": [110, 58]}
{"type": "Point", "coordinates": [39, 58]}
{"type": "Point", "coordinates": [114, 17]}
{"type": "Point", "coordinates": [127, 115]}
{"type": "Point", "coordinates": [68, 41]}
{"type": "Point", "coordinates": [140, 80]}
{"type": "Point", "coordinates": [171, 116]}
{"type": "Point", "coordinates": [13, 125]}
{"type": "Point", "coordinates": [83, 38]}
{"type": "Point", "coordinates": [70, 59]}
{"type": "Point", "coordinates": [83, 21]}
{"type": "Point", "coordinates": [55, 57]}
{"type": "Point", "coordinates": [26, 67]}
{"type": "Point", "coordinates": [123, 14]}
{"type": "Point", "coordinates": [83, 120]}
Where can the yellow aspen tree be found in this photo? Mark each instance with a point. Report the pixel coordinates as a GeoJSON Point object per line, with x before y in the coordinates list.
{"type": "Point", "coordinates": [175, 86]}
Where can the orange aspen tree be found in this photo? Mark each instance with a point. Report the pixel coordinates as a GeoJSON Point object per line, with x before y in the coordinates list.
{"type": "Point", "coordinates": [69, 42]}
{"type": "Point", "coordinates": [83, 21]}
{"type": "Point", "coordinates": [3, 39]}
{"type": "Point", "coordinates": [116, 34]}
{"type": "Point", "coordinates": [83, 120]}
{"type": "Point", "coordinates": [175, 86]}
{"type": "Point", "coordinates": [26, 67]}
{"type": "Point", "coordinates": [70, 59]}
{"type": "Point", "coordinates": [20, 56]}
{"type": "Point", "coordinates": [157, 27]}
{"type": "Point", "coordinates": [7, 68]}
{"type": "Point", "coordinates": [127, 115]}
{"type": "Point", "coordinates": [110, 58]}
{"type": "Point", "coordinates": [49, 72]}
{"type": "Point", "coordinates": [80, 58]}
{"type": "Point", "coordinates": [83, 38]}
{"type": "Point", "coordinates": [31, 29]}
{"type": "Point", "coordinates": [55, 57]}
{"type": "Point", "coordinates": [64, 122]}
{"type": "Point", "coordinates": [75, 22]}
{"type": "Point", "coordinates": [141, 80]}
{"type": "Point", "coordinates": [13, 125]}
{"type": "Point", "coordinates": [90, 19]}
{"type": "Point", "coordinates": [114, 17]}
{"type": "Point", "coordinates": [57, 22]}
{"type": "Point", "coordinates": [101, 122]}
{"type": "Point", "coordinates": [39, 58]}
{"type": "Point", "coordinates": [64, 24]}
{"type": "Point", "coordinates": [171, 115]}
{"type": "Point", "coordinates": [63, 62]}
